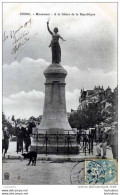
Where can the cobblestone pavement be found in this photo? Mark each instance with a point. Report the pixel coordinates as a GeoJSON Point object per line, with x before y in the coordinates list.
{"type": "Point", "coordinates": [45, 172]}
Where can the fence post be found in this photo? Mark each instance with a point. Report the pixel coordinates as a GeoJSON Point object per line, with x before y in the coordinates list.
{"type": "Point", "coordinates": [92, 145]}
{"type": "Point", "coordinates": [89, 143]}
{"type": "Point", "coordinates": [57, 142]}
{"type": "Point", "coordinates": [68, 143]}
{"type": "Point", "coordinates": [95, 135]}
{"type": "Point", "coordinates": [37, 141]}
{"type": "Point", "coordinates": [46, 142]}
{"type": "Point", "coordinates": [77, 140]}
{"type": "Point", "coordinates": [85, 143]}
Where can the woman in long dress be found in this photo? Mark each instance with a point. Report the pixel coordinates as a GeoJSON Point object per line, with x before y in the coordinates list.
{"type": "Point", "coordinates": [55, 46]}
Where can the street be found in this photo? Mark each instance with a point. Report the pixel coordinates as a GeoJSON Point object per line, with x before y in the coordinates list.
{"type": "Point", "coordinates": [54, 171]}
{"type": "Point", "coordinates": [45, 172]}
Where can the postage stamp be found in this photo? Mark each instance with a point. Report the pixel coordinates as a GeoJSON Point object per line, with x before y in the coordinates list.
{"type": "Point", "coordinates": [94, 172]}
{"type": "Point", "coordinates": [100, 171]}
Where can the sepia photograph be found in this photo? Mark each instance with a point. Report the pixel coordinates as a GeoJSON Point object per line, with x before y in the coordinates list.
{"type": "Point", "coordinates": [59, 93]}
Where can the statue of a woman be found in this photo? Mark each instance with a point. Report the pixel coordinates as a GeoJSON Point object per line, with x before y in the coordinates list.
{"type": "Point", "coordinates": [55, 47]}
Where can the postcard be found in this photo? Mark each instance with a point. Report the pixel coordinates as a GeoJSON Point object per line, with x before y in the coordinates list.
{"type": "Point", "coordinates": [60, 95]}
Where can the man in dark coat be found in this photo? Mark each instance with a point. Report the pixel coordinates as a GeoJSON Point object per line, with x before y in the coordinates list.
{"type": "Point", "coordinates": [5, 140]}
{"type": "Point", "coordinates": [27, 139]}
{"type": "Point", "coordinates": [20, 136]}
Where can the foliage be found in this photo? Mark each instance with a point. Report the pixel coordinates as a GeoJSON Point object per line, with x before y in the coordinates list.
{"type": "Point", "coordinates": [87, 117]}
{"type": "Point", "coordinates": [6, 123]}
{"type": "Point", "coordinates": [95, 113]}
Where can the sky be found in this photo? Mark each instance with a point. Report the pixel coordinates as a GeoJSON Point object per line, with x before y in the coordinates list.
{"type": "Point", "coordinates": [89, 53]}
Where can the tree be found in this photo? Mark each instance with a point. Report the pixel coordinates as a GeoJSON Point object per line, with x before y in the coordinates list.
{"type": "Point", "coordinates": [74, 120]}
{"type": "Point", "coordinates": [111, 112]}
{"type": "Point", "coordinates": [6, 123]}
{"type": "Point", "coordinates": [96, 112]}
{"type": "Point", "coordinates": [87, 117]}
{"type": "Point", "coordinates": [3, 118]}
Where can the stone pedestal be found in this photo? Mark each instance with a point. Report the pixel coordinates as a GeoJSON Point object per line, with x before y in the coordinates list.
{"type": "Point", "coordinates": [54, 120]}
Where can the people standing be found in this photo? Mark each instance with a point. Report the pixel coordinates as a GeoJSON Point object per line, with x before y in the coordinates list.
{"type": "Point", "coordinates": [20, 136]}
{"type": "Point", "coordinates": [5, 140]}
{"type": "Point", "coordinates": [114, 142]}
{"type": "Point", "coordinates": [102, 143]}
{"type": "Point", "coordinates": [27, 139]}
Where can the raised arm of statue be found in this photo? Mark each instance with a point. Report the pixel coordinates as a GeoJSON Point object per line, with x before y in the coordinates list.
{"type": "Point", "coordinates": [49, 28]}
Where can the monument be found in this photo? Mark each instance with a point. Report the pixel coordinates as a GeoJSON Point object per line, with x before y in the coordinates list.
{"type": "Point", "coordinates": [54, 127]}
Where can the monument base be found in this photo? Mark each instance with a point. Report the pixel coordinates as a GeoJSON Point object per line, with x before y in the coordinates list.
{"type": "Point", "coordinates": [54, 144]}
{"type": "Point", "coordinates": [53, 149]}
{"type": "Point", "coordinates": [54, 135]}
